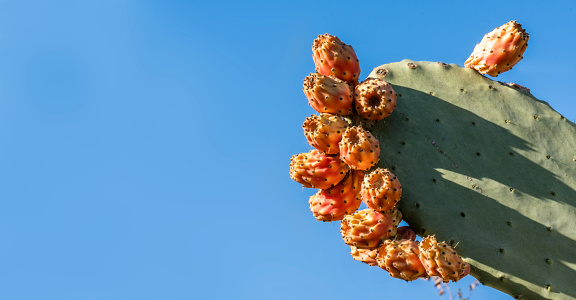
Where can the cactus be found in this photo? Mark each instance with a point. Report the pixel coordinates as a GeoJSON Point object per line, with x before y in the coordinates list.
{"type": "Point", "coordinates": [488, 168]}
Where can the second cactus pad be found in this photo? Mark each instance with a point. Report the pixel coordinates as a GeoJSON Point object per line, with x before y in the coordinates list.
{"type": "Point", "coordinates": [487, 168]}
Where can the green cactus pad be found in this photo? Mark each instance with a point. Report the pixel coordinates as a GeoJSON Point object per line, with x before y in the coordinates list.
{"type": "Point", "coordinates": [487, 168]}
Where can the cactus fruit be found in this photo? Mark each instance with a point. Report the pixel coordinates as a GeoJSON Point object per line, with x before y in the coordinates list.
{"type": "Point", "coordinates": [439, 259]}
{"type": "Point", "coordinates": [401, 259]}
{"type": "Point", "coordinates": [324, 132]}
{"type": "Point", "coordinates": [368, 228]}
{"type": "Point", "coordinates": [367, 256]}
{"type": "Point", "coordinates": [487, 167]}
{"type": "Point", "coordinates": [517, 86]}
{"type": "Point", "coordinates": [334, 203]}
{"type": "Point", "coordinates": [328, 94]}
{"type": "Point", "coordinates": [499, 50]}
{"type": "Point", "coordinates": [374, 99]}
{"type": "Point", "coordinates": [381, 190]}
{"type": "Point", "coordinates": [332, 57]}
{"type": "Point", "coordinates": [405, 233]}
{"type": "Point", "coordinates": [359, 148]}
{"type": "Point", "coordinates": [315, 169]}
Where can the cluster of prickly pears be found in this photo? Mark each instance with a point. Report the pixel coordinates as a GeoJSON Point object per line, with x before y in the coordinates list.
{"type": "Point", "coordinates": [342, 150]}
{"type": "Point", "coordinates": [342, 167]}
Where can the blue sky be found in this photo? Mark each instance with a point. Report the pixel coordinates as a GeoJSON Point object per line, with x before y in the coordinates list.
{"type": "Point", "coordinates": [145, 145]}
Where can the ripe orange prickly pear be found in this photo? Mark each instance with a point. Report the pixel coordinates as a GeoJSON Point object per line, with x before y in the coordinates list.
{"type": "Point", "coordinates": [324, 132]}
{"type": "Point", "coordinates": [406, 233]}
{"type": "Point", "coordinates": [374, 99]}
{"type": "Point", "coordinates": [342, 199]}
{"type": "Point", "coordinates": [439, 259]}
{"type": "Point", "coordinates": [317, 170]}
{"type": "Point", "coordinates": [328, 94]}
{"type": "Point", "coordinates": [400, 259]}
{"type": "Point", "coordinates": [359, 148]}
{"type": "Point", "coordinates": [332, 57]}
{"type": "Point", "coordinates": [499, 50]}
{"type": "Point", "coordinates": [367, 256]}
{"type": "Point", "coordinates": [381, 190]}
{"type": "Point", "coordinates": [368, 228]}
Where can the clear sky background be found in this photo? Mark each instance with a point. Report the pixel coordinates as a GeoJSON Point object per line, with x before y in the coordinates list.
{"type": "Point", "coordinates": [145, 145]}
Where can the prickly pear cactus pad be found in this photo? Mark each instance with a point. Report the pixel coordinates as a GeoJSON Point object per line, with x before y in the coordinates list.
{"type": "Point", "coordinates": [488, 168]}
